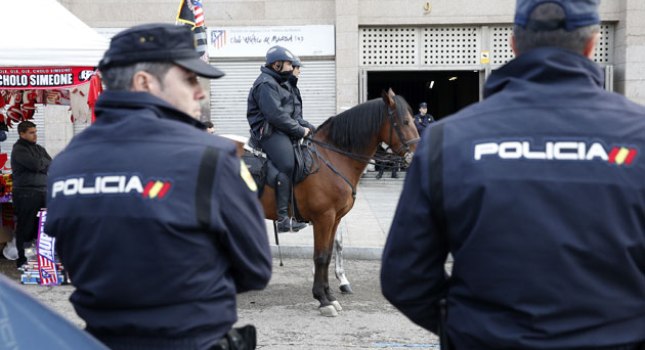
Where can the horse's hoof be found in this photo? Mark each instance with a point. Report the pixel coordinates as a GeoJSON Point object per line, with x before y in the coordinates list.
{"type": "Point", "coordinates": [336, 305]}
{"type": "Point", "coordinates": [328, 311]}
{"type": "Point", "coordinates": [346, 289]}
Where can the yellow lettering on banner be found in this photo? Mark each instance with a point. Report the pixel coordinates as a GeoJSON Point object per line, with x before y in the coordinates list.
{"type": "Point", "coordinates": [247, 177]}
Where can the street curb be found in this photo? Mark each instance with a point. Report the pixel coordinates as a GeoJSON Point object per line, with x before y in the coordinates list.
{"type": "Point", "coordinates": [307, 252]}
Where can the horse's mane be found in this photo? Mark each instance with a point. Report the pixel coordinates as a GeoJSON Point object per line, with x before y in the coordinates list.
{"type": "Point", "coordinates": [353, 129]}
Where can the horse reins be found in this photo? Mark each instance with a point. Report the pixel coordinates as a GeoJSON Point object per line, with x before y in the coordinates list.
{"type": "Point", "coordinates": [392, 117]}
{"type": "Point", "coordinates": [361, 158]}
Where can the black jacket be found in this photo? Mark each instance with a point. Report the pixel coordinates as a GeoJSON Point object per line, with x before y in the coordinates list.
{"type": "Point", "coordinates": [157, 223]}
{"type": "Point", "coordinates": [538, 193]}
{"type": "Point", "coordinates": [29, 164]}
{"type": "Point", "coordinates": [271, 104]}
{"type": "Point", "coordinates": [293, 81]}
{"type": "Point", "coordinates": [422, 122]}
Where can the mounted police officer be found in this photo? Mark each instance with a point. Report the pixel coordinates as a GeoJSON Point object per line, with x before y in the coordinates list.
{"type": "Point", "coordinates": [157, 221]}
{"type": "Point", "coordinates": [274, 123]}
{"type": "Point", "coordinates": [537, 192]}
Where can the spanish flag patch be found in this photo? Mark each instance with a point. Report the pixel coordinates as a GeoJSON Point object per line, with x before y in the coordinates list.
{"type": "Point", "coordinates": [247, 177]}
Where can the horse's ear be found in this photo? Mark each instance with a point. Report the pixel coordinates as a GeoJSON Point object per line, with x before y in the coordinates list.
{"type": "Point", "coordinates": [388, 97]}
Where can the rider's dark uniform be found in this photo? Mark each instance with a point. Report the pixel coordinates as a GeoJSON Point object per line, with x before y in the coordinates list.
{"type": "Point", "coordinates": [271, 107]}
{"type": "Point", "coordinates": [156, 226]}
{"type": "Point", "coordinates": [271, 115]}
{"type": "Point", "coordinates": [293, 81]}
{"type": "Point", "coordinates": [538, 193]}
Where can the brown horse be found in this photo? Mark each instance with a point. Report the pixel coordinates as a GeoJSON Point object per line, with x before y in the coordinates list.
{"type": "Point", "coordinates": [345, 144]}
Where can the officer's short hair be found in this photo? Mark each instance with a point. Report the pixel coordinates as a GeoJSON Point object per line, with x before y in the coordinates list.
{"type": "Point", "coordinates": [574, 40]}
{"type": "Point", "coordinates": [119, 78]}
{"type": "Point", "coordinates": [24, 126]}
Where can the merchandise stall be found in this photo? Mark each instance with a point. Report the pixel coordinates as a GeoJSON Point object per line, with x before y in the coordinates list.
{"type": "Point", "coordinates": [46, 66]}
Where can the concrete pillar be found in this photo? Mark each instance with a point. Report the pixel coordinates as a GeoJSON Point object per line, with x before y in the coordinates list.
{"type": "Point", "coordinates": [347, 47]}
{"type": "Point", "coordinates": [630, 51]}
{"type": "Point", "coordinates": [635, 50]}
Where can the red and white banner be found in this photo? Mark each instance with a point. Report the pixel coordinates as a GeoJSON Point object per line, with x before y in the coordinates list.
{"type": "Point", "coordinates": [23, 78]}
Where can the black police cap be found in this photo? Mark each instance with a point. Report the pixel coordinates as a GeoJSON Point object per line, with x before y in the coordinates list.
{"type": "Point", "coordinates": [578, 13]}
{"type": "Point", "coordinates": [157, 42]}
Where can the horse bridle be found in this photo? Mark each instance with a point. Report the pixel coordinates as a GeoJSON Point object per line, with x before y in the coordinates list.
{"type": "Point", "coordinates": [395, 126]}
{"type": "Point", "coordinates": [392, 116]}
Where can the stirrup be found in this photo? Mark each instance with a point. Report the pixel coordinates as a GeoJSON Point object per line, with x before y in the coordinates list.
{"type": "Point", "coordinates": [297, 226]}
{"type": "Point", "coordinates": [290, 225]}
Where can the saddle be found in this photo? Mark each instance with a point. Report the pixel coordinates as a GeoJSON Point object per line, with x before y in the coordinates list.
{"type": "Point", "coordinates": [263, 170]}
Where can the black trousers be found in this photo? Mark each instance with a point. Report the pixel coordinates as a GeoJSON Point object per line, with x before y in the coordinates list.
{"type": "Point", "coordinates": [26, 205]}
{"type": "Point", "coordinates": [279, 149]}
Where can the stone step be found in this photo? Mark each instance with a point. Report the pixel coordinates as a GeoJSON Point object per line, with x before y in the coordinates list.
{"type": "Point", "coordinates": [387, 175]}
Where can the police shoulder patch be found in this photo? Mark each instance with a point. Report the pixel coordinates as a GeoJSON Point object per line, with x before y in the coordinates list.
{"type": "Point", "coordinates": [247, 177]}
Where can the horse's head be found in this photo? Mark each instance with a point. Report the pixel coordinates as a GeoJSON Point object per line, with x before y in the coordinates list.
{"type": "Point", "coordinates": [399, 131]}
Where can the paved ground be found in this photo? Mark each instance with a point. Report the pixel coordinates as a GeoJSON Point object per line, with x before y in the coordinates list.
{"type": "Point", "coordinates": [285, 312]}
{"type": "Point", "coordinates": [287, 317]}
{"type": "Point", "coordinates": [364, 229]}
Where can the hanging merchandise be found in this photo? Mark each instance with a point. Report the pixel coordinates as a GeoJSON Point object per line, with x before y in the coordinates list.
{"type": "Point", "coordinates": [96, 88]}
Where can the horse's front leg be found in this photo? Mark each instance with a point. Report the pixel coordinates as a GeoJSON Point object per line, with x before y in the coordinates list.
{"type": "Point", "coordinates": [345, 287]}
{"type": "Point", "coordinates": [328, 292]}
{"type": "Point", "coordinates": [322, 257]}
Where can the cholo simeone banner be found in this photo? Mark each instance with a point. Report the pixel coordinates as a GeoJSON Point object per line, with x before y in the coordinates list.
{"type": "Point", "coordinates": [22, 78]}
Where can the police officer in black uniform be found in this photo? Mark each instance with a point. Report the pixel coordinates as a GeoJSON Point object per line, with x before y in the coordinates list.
{"type": "Point", "coordinates": [157, 221]}
{"type": "Point", "coordinates": [293, 81]}
{"type": "Point", "coordinates": [538, 193]}
{"type": "Point", "coordinates": [272, 116]}
{"type": "Point", "coordinates": [423, 118]}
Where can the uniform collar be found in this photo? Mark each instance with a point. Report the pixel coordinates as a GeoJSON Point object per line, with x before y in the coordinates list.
{"type": "Point", "coordinates": [137, 100]}
{"type": "Point", "coordinates": [275, 75]}
{"type": "Point", "coordinates": [293, 80]}
{"type": "Point", "coordinates": [546, 67]}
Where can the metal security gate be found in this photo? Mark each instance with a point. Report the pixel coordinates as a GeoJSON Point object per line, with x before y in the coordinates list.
{"type": "Point", "coordinates": [501, 51]}
{"type": "Point", "coordinates": [481, 48]}
{"type": "Point", "coordinates": [445, 47]}
{"type": "Point", "coordinates": [450, 47]}
{"type": "Point", "coordinates": [229, 94]}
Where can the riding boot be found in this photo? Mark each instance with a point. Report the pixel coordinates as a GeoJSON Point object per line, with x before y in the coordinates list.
{"type": "Point", "coordinates": [380, 174]}
{"type": "Point", "coordinates": [395, 174]}
{"type": "Point", "coordinates": [282, 197]}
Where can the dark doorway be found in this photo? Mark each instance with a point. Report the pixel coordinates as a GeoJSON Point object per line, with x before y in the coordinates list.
{"type": "Point", "coordinates": [446, 92]}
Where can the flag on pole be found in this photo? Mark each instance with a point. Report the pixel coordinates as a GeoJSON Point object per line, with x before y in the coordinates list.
{"type": "Point", "coordinates": [191, 13]}
{"type": "Point", "coordinates": [185, 13]}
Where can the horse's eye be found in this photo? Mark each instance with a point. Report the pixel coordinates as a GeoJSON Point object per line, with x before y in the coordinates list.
{"type": "Point", "coordinates": [406, 122]}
